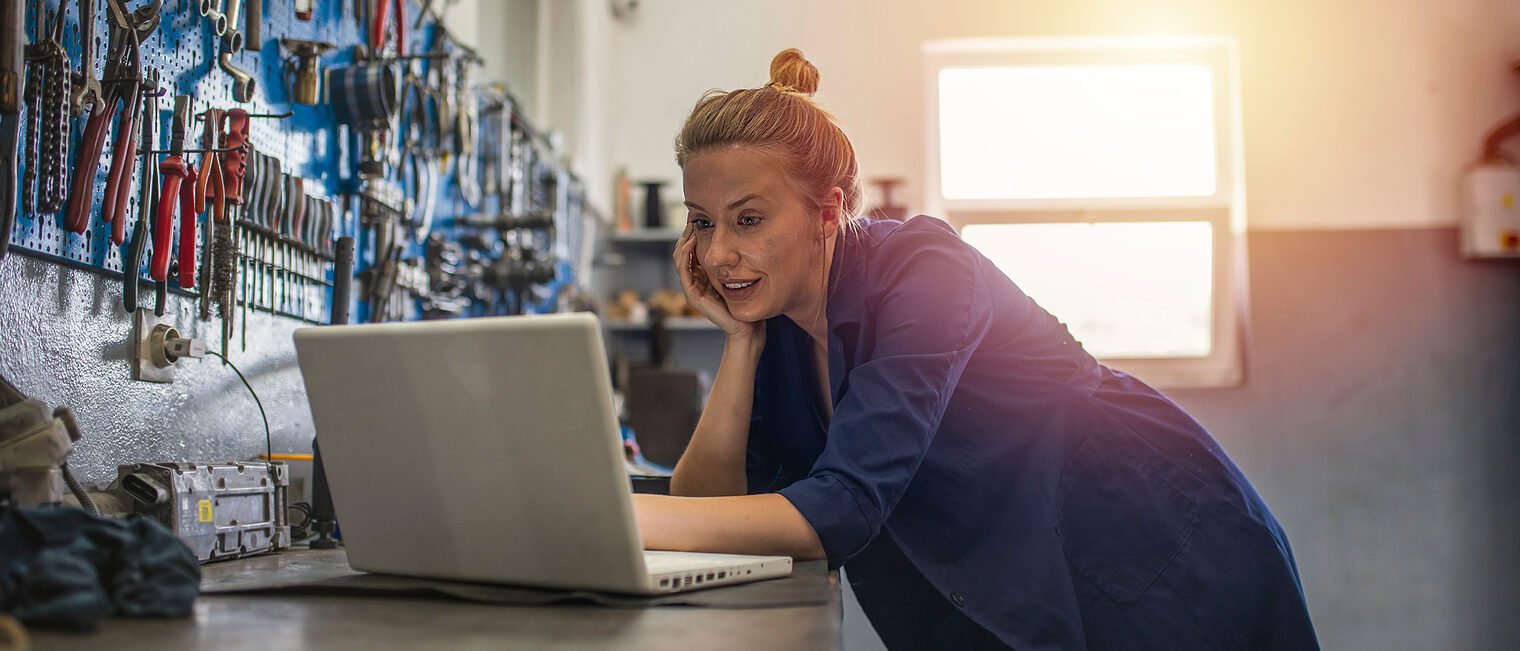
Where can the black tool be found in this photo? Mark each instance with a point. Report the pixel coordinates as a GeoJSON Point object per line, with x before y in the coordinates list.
{"type": "Point", "coordinates": [47, 94]}
{"type": "Point", "coordinates": [131, 263]}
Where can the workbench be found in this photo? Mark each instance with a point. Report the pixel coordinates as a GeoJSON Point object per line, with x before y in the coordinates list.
{"type": "Point", "coordinates": [282, 618]}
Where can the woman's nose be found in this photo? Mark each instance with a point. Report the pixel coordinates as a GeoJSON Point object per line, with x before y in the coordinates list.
{"type": "Point", "coordinates": [720, 251]}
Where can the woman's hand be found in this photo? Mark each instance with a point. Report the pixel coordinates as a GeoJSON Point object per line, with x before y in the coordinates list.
{"type": "Point", "coordinates": [700, 293]}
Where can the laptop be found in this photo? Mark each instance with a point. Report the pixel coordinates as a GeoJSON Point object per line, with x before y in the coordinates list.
{"type": "Point", "coordinates": [487, 450]}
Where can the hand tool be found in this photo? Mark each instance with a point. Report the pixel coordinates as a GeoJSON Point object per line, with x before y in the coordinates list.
{"type": "Point", "coordinates": [86, 86]}
{"type": "Point", "coordinates": [307, 87]}
{"type": "Point", "coordinates": [48, 123]}
{"type": "Point", "coordinates": [131, 263]}
{"type": "Point", "coordinates": [234, 155]}
{"type": "Point", "coordinates": [131, 29]}
{"type": "Point", "coordinates": [175, 171]}
{"type": "Point", "coordinates": [232, 40]}
{"type": "Point", "coordinates": [210, 178]}
{"type": "Point", "coordinates": [211, 11]}
{"type": "Point", "coordinates": [12, 90]}
{"type": "Point", "coordinates": [253, 20]}
{"type": "Point", "coordinates": [343, 281]}
{"type": "Point", "coordinates": [377, 34]}
{"type": "Point", "coordinates": [124, 75]}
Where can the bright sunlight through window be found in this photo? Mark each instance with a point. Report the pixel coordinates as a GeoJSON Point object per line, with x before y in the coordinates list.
{"type": "Point", "coordinates": [1126, 290]}
{"type": "Point", "coordinates": [1069, 131]}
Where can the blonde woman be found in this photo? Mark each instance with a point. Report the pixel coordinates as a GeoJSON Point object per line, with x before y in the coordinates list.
{"type": "Point", "coordinates": [889, 400]}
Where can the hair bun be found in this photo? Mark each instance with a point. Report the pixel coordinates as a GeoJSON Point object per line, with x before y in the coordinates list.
{"type": "Point", "coordinates": [791, 71]}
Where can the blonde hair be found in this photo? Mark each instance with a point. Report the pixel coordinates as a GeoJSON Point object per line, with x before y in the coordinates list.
{"type": "Point", "coordinates": [782, 119]}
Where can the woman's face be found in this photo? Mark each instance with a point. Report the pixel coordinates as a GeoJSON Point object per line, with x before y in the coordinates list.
{"type": "Point", "coordinates": [760, 245]}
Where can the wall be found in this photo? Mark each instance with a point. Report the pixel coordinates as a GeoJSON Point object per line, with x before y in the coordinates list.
{"type": "Point", "coordinates": [1357, 113]}
{"type": "Point", "coordinates": [1379, 412]}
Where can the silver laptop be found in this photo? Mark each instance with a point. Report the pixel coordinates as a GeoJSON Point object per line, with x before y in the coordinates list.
{"type": "Point", "coordinates": [487, 450]}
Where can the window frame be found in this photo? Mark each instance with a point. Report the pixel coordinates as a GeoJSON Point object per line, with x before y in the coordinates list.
{"type": "Point", "coordinates": [1224, 210]}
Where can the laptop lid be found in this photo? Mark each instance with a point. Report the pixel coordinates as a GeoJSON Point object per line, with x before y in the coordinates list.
{"type": "Point", "coordinates": [480, 449]}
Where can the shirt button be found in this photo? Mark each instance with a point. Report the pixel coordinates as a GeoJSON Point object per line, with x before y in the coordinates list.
{"type": "Point", "coordinates": [958, 599]}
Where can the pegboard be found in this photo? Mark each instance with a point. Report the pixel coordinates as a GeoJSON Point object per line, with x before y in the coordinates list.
{"type": "Point", "coordinates": [312, 145]}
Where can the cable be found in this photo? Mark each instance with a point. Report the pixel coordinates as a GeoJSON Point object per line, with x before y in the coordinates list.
{"type": "Point", "coordinates": [78, 490]}
{"type": "Point", "coordinates": [268, 444]}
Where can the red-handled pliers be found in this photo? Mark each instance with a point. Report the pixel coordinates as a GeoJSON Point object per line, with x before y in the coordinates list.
{"type": "Point", "coordinates": [124, 76]}
{"type": "Point", "coordinates": [175, 171]}
{"type": "Point", "coordinates": [377, 26]}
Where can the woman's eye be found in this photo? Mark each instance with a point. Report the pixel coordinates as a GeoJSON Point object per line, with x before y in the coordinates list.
{"type": "Point", "coordinates": [700, 223]}
{"type": "Point", "coordinates": [749, 220]}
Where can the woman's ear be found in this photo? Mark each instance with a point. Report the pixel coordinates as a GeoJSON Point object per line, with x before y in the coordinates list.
{"type": "Point", "coordinates": [833, 210]}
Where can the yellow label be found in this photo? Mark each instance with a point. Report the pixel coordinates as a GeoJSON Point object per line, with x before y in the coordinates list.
{"type": "Point", "coordinates": [204, 512]}
{"type": "Point", "coordinates": [1508, 200]}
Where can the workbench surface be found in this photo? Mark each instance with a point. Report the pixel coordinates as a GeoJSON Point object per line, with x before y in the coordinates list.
{"type": "Point", "coordinates": [300, 620]}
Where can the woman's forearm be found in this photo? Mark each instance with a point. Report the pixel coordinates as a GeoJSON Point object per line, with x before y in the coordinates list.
{"type": "Point", "coordinates": [747, 524]}
{"type": "Point", "coordinates": [713, 463]}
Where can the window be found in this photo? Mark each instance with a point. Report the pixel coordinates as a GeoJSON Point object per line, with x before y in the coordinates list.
{"type": "Point", "coordinates": [1103, 176]}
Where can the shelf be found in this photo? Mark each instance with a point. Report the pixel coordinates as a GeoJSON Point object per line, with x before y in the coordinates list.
{"type": "Point", "coordinates": [678, 323]}
{"type": "Point", "coordinates": [647, 236]}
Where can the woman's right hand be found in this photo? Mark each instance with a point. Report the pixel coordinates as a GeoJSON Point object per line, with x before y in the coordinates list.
{"type": "Point", "coordinates": [700, 293]}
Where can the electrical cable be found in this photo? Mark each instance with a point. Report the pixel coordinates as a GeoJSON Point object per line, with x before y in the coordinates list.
{"type": "Point", "coordinates": [78, 490]}
{"type": "Point", "coordinates": [268, 444]}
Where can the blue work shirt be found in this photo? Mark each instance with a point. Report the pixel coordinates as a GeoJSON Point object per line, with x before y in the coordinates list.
{"type": "Point", "coordinates": [980, 462]}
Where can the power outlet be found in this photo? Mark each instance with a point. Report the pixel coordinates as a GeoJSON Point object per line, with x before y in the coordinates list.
{"type": "Point", "coordinates": [149, 361]}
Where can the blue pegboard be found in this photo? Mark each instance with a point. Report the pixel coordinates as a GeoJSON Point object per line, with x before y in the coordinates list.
{"type": "Point", "coordinates": [309, 144]}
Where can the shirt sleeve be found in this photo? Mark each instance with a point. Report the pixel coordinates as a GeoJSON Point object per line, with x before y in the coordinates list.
{"type": "Point", "coordinates": [928, 312]}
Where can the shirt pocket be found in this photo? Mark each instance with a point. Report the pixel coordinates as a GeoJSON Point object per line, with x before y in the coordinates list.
{"type": "Point", "coordinates": [1120, 521]}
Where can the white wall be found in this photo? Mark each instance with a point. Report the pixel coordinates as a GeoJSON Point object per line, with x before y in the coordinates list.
{"type": "Point", "coordinates": [1357, 113]}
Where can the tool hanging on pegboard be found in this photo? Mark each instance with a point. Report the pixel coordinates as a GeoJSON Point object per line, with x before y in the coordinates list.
{"type": "Point", "coordinates": [390, 150]}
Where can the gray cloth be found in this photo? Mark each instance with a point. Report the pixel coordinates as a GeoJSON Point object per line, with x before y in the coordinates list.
{"type": "Point", "coordinates": [66, 568]}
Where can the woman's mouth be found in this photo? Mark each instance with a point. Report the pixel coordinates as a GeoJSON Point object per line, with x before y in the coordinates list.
{"type": "Point", "coordinates": [739, 290]}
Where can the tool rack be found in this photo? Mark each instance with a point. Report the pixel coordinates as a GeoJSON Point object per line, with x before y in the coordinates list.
{"type": "Point", "coordinates": [510, 227]}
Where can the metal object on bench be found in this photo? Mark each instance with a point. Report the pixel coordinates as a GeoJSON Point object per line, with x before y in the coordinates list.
{"type": "Point", "coordinates": [220, 510]}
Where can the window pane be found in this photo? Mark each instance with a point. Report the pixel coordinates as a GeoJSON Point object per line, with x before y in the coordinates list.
{"type": "Point", "coordinates": [1140, 289]}
{"type": "Point", "coordinates": [1044, 132]}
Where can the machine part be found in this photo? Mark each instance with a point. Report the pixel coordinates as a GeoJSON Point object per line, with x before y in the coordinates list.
{"type": "Point", "coordinates": [157, 346]}
{"type": "Point", "coordinates": [324, 520]}
{"type": "Point", "coordinates": [34, 444]}
{"type": "Point", "coordinates": [221, 511]}
{"type": "Point", "coordinates": [307, 85]}
{"type": "Point", "coordinates": [364, 95]}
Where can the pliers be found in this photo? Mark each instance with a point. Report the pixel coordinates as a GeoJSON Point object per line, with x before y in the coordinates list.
{"type": "Point", "coordinates": [377, 34]}
{"type": "Point", "coordinates": [124, 76]}
{"type": "Point", "coordinates": [176, 172]}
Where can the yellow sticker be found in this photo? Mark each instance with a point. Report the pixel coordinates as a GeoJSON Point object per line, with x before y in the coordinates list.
{"type": "Point", "coordinates": [204, 512]}
{"type": "Point", "coordinates": [1508, 200]}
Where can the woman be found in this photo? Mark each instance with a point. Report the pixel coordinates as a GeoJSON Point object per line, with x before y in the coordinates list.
{"type": "Point", "coordinates": [888, 400]}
